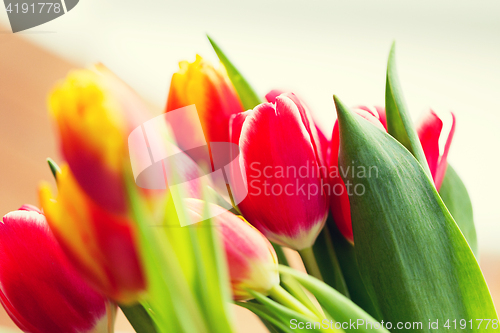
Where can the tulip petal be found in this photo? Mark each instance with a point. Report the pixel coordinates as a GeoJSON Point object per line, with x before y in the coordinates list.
{"type": "Point", "coordinates": [429, 131]}
{"type": "Point", "coordinates": [443, 163]}
{"type": "Point", "coordinates": [276, 137]}
{"type": "Point", "coordinates": [339, 199]}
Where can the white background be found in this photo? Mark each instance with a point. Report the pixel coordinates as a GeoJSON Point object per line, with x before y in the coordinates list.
{"type": "Point", "coordinates": [448, 58]}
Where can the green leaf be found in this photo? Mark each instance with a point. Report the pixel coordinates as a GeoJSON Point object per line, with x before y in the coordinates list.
{"type": "Point", "coordinates": [54, 168]}
{"type": "Point", "coordinates": [248, 96]}
{"type": "Point", "coordinates": [212, 276]}
{"type": "Point", "coordinates": [399, 123]}
{"type": "Point", "coordinates": [139, 318]}
{"type": "Point", "coordinates": [415, 262]}
{"type": "Point", "coordinates": [174, 307]}
{"type": "Point", "coordinates": [456, 199]}
{"type": "Point", "coordinates": [337, 305]}
{"type": "Point", "coordinates": [350, 270]}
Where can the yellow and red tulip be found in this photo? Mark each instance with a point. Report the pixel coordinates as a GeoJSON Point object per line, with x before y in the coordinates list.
{"type": "Point", "coordinates": [429, 130]}
{"type": "Point", "coordinates": [289, 209]}
{"type": "Point", "coordinates": [251, 259]}
{"type": "Point", "coordinates": [40, 289]}
{"type": "Point", "coordinates": [211, 91]}
{"type": "Point", "coordinates": [101, 244]}
{"type": "Point", "coordinates": [95, 112]}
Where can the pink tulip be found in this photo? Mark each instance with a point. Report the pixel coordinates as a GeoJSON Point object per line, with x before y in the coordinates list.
{"type": "Point", "coordinates": [429, 130]}
{"type": "Point", "coordinates": [40, 290]}
{"type": "Point", "coordinates": [251, 259]}
{"type": "Point", "coordinates": [281, 158]}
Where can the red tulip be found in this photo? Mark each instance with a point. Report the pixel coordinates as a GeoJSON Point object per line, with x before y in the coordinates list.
{"type": "Point", "coordinates": [429, 131]}
{"type": "Point", "coordinates": [251, 259]}
{"type": "Point", "coordinates": [282, 162]}
{"type": "Point", "coordinates": [40, 290]}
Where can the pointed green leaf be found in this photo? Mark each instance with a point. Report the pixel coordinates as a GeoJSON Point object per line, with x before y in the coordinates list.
{"type": "Point", "coordinates": [54, 168]}
{"type": "Point", "coordinates": [248, 96]}
{"type": "Point", "coordinates": [413, 258]}
{"type": "Point", "coordinates": [399, 123]}
{"type": "Point", "coordinates": [340, 308]}
{"type": "Point", "coordinates": [457, 200]}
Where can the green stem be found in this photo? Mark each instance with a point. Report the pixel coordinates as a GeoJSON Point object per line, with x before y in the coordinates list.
{"type": "Point", "coordinates": [295, 289]}
{"type": "Point", "coordinates": [310, 262]}
{"type": "Point", "coordinates": [280, 254]}
{"type": "Point", "coordinates": [282, 296]}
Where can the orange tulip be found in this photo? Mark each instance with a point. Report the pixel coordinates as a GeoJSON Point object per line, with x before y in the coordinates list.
{"type": "Point", "coordinates": [213, 94]}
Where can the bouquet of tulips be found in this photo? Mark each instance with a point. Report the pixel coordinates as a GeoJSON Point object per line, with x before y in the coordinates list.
{"type": "Point", "coordinates": [174, 216]}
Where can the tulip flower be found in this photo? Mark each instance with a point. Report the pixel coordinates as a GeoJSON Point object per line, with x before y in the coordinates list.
{"type": "Point", "coordinates": [251, 259]}
{"type": "Point", "coordinates": [429, 130]}
{"type": "Point", "coordinates": [213, 94]}
{"type": "Point", "coordinates": [94, 112]}
{"type": "Point", "coordinates": [40, 289]}
{"type": "Point", "coordinates": [281, 160]}
{"type": "Point", "coordinates": [99, 243]}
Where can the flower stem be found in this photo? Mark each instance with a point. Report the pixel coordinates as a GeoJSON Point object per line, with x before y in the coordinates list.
{"type": "Point", "coordinates": [282, 296]}
{"type": "Point", "coordinates": [310, 262]}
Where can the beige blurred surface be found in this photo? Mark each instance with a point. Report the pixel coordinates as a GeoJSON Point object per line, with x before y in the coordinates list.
{"type": "Point", "coordinates": [26, 140]}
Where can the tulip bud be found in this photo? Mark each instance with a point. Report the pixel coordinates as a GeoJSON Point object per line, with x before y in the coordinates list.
{"type": "Point", "coordinates": [213, 94]}
{"type": "Point", "coordinates": [94, 112]}
{"type": "Point", "coordinates": [99, 243]}
{"type": "Point", "coordinates": [40, 290]}
{"type": "Point", "coordinates": [282, 162]}
{"type": "Point", "coordinates": [251, 258]}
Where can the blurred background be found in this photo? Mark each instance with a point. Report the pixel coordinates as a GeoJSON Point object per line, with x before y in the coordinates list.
{"type": "Point", "coordinates": [448, 57]}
